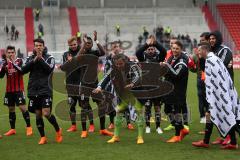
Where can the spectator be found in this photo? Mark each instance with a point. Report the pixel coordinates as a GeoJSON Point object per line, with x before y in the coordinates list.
{"type": "Point", "coordinates": [145, 33]}
{"type": "Point", "coordinates": [117, 27]}
{"type": "Point", "coordinates": [16, 34]}
{"type": "Point", "coordinates": [182, 37]}
{"type": "Point", "coordinates": [195, 43]}
{"type": "Point", "coordinates": [40, 28]}
{"type": "Point", "coordinates": [206, 2]}
{"type": "Point", "coordinates": [194, 3]}
{"type": "Point", "coordinates": [6, 29]}
{"type": "Point", "coordinates": [79, 41]}
{"type": "Point", "coordinates": [12, 31]}
{"type": "Point", "coordinates": [167, 31]}
{"type": "Point", "coordinates": [37, 14]}
{"type": "Point", "coordinates": [188, 40]}
{"type": "Point", "coordinates": [39, 34]}
{"type": "Point", "coordinates": [159, 33]}
{"type": "Point", "coordinates": [106, 39]}
{"type": "Point", "coordinates": [188, 37]}
{"type": "Point", "coordinates": [140, 38]}
{"type": "Point", "coordinates": [165, 39]}
{"type": "Point", "coordinates": [179, 36]}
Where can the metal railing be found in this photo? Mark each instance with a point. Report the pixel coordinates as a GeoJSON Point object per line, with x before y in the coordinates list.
{"type": "Point", "coordinates": [52, 27]}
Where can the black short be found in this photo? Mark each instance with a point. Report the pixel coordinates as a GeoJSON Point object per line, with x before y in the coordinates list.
{"type": "Point", "coordinates": [156, 101]}
{"type": "Point", "coordinates": [72, 100]}
{"type": "Point", "coordinates": [14, 98]}
{"type": "Point", "coordinates": [85, 98]}
{"type": "Point", "coordinates": [96, 100]}
{"type": "Point", "coordinates": [153, 101]}
{"type": "Point", "coordinates": [38, 103]}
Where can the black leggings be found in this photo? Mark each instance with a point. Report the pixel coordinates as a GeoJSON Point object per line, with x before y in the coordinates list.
{"type": "Point", "coordinates": [175, 115]}
{"type": "Point", "coordinates": [208, 133]}
{"type": "Point", "coordinates": [157, 115]}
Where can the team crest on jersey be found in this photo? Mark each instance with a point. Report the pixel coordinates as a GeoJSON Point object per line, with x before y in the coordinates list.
{"type": "Point", "coordinates": [31, 103]}
{"type": "Point", "coordinates": [20, 99]}
{"type": "Point", "coordinates": [11, 71]}
{"type": "Point", "coordinates": [47, 102]}
{"type": "Point", "coordinates": [6, 100]}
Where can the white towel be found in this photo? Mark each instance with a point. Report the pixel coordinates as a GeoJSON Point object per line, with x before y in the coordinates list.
{"type": "Point", "coordinates": [221, 95]}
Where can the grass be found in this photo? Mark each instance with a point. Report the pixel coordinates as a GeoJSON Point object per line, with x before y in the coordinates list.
{"type": "Point", "coordinates": [95, 147]}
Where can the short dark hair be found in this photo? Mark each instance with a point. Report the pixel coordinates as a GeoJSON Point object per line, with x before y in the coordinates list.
{"type": "Point", "coordinates": [119, 56]}
{"type": "Point", "coordinates": [89, 38]}
{"type": "Point", "coordinates": [206, 35]}
{"type": "Point", "coordinates": [179, 43]}
{"type": "Point", "coordinates": [173, 37]}
{"type": "Point", "coordinates": [10, 47]}
{"type": "Point", "coordinates": [116, 42]}
{"type": "Point", "coordinates": [39, 40]}
{"type": "Point", "coordinates": [205, 45]}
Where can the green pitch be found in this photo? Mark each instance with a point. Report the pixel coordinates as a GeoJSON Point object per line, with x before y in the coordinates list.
{"type": "Point", "coordinates": [19, 146]}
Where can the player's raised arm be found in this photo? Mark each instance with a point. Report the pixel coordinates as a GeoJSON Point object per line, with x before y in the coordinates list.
{"type": "Point", "coordinates": [102, 52]}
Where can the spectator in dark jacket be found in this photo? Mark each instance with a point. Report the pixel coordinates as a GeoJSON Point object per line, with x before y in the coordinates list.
{"type": "Point", "coordinates": [41, 29]}
{"type": "Point", "coordinates": [6, 29]}
{"type": "Point", "coordinates": [16, 34]}
{"type": "Point", "coordinates": [12, 31]}
{"type": "Point", "coordinates": [145, 33]}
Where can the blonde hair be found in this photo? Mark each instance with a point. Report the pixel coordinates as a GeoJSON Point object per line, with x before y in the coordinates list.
{"type": "Point", "coordinates": [73, 38]}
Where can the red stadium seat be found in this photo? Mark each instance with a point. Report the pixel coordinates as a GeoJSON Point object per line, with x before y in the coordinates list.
{"type": "Point", "coordinates": [230, 14]}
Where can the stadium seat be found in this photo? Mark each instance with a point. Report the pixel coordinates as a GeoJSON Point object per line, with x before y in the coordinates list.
{"type": "Point", "coordinates": [231, 17]}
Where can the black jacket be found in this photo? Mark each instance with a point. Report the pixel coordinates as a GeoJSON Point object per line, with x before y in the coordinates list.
{"type": "Point", "coordinates": [223, 52]}
{"type": "Point", "coordinates": [86, 79]}
{"type": "Point", "coordinates": [142, 56]}
{"type": "Point", "coordinates": [157, 57]}
{"type": "Point", "coordinates": [178, 76]}
{"type": "Point", "coordinates": [74, 76]}
{"type": "Point", "coordinates": [40, 74]}
{"type": "Point", "coordinates": [87, 64]}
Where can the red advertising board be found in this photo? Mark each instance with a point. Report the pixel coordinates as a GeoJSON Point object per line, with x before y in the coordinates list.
{"type": "Point", "coordinates": [1, 52]}
{"type": "Point", "coordinates": [236, 61]}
